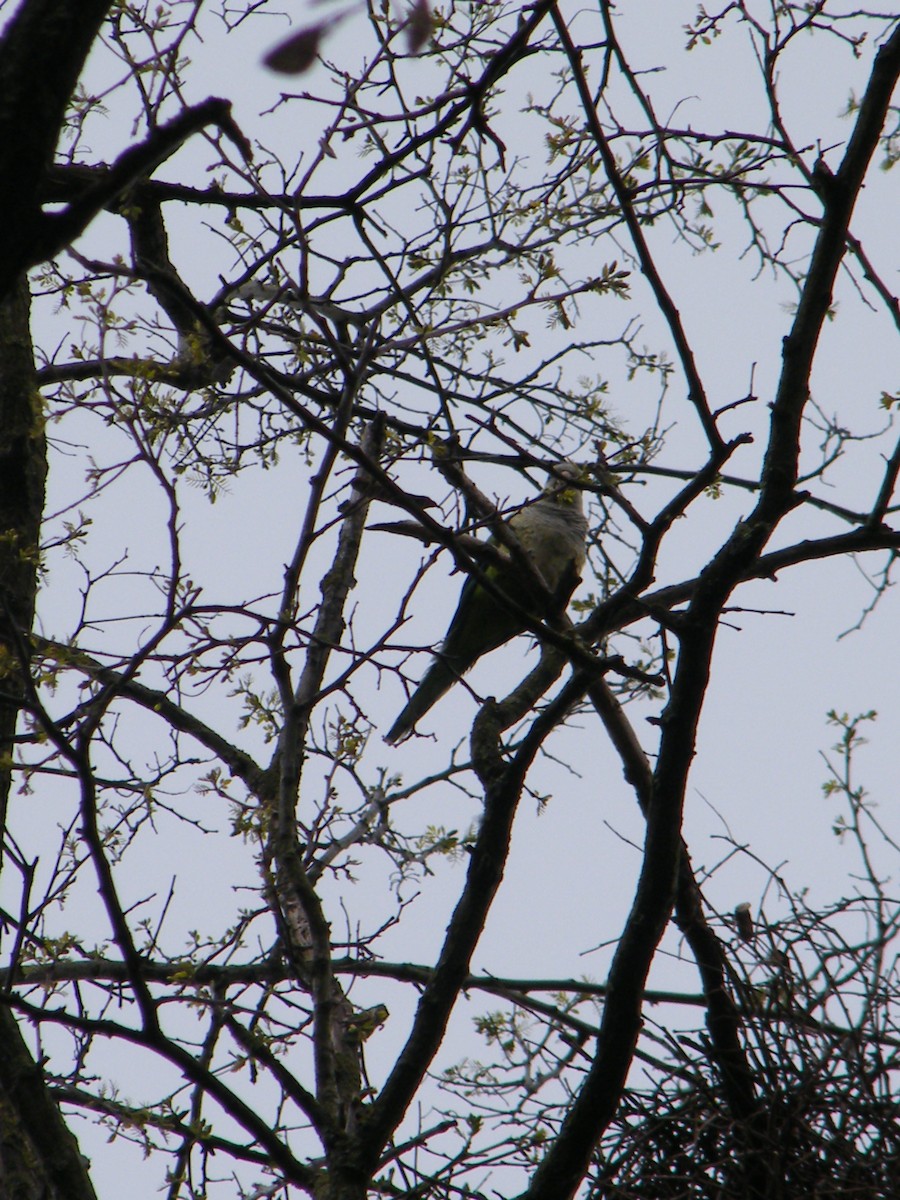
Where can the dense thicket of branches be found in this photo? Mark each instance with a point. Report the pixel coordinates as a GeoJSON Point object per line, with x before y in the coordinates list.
{"type": "Point", "coordinates": [276, 353]}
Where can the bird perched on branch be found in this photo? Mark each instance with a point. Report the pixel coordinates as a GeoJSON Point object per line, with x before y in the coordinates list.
{"type": "Point", "coordinates": [552, 532]}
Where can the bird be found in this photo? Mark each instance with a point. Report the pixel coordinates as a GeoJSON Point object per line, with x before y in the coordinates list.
{"type": "Point", "coordinates": [552, 531]}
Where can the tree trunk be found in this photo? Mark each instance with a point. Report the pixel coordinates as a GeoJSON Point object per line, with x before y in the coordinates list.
{"type": "Point", "coordinates": [39, 1157]}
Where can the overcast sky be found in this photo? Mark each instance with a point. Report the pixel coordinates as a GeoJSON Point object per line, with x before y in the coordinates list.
{"type": "Point", "coordinates": [759, 772]}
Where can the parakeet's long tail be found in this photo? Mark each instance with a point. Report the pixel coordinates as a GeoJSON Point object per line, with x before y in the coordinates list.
{"type": "Point", "coordinates": [438, 679]}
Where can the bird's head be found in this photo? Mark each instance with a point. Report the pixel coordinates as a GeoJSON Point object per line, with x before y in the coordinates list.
{"type": "Point", "coordinates": [560, 485]}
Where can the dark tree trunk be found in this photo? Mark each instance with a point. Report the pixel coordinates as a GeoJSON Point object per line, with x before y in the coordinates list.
{"type": "Point", "coordinates": [39, 1157]}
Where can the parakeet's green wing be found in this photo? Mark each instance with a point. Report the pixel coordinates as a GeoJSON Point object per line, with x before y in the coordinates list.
{"type": "Point", "coordinates": [480, 624]}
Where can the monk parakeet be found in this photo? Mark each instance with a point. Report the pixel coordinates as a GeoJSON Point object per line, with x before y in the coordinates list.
{"type": "Point", "coordinates": [552, 532]}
